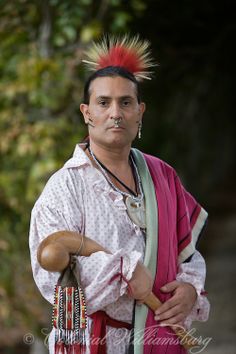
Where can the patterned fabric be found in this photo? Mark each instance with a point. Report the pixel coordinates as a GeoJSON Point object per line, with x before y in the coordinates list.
{"type": "Point", "coordinates": [180, 221]}
{"type": "Point", "coordinates": [69, 313]}
{"type": "Point", "coordinates": [78, 198]}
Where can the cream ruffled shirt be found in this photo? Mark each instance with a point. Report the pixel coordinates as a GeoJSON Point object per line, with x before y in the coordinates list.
{"type": "Point", "coordinates": [78, 198]}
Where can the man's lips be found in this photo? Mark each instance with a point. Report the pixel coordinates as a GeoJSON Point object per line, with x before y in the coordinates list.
{"type": "Point", "coordinates": [113, 127]}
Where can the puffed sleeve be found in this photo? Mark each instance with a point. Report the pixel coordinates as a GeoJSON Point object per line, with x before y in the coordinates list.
{"type": "Point", "coordinates": [57, 209]}
{"type": "Point", "coordinates": [194, 272]}
{"type": "Point", "coordinates": [60, 207]}
{"type": "Point", "coordinates": [191, 220]}
{"type": "Point", "coordinates": [101, 275]}
{"type": "Point", "coordinates": [45, 221]}
{"type": "Point", "coordinates": [105, 277]}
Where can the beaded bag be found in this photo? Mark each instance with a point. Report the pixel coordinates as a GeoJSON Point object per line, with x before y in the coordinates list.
{"type": "Point", "coordinates": [69, 314]}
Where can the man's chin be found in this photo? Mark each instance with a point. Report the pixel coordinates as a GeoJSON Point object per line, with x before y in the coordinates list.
{"type": "Point", "coordinates": [114, 140]}
{"type": "Point", "coordinates": [119, 142]}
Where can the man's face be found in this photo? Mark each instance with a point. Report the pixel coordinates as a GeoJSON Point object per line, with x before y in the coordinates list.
{"type": "Point", "coordinates": [113, 98]}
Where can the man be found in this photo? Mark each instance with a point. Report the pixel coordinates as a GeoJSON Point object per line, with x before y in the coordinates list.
{"type": "Point", "coordinates": [133, 205]}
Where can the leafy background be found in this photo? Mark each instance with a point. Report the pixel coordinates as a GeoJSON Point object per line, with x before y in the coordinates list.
{"type": "Point", "coordinates": [190, 121]}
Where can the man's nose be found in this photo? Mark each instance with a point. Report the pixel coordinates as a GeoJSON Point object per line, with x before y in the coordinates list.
{"type": "Point", "coordinates": [115, 110]}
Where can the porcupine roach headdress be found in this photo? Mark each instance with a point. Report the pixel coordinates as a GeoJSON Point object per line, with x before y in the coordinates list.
{"type": "Point", "coordinates": [131, 53]}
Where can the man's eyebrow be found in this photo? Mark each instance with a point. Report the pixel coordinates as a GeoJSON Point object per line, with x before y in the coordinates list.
{"type": "Point", "coordinates": [103, 97]}
{"type": "Point", "coordinates": [126, 96]}
{"type": "Point", "coordinates": [120, 97]}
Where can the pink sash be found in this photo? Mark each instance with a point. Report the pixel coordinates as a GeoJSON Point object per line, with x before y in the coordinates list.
{"type": "Point", "coordinates": [178, 214]}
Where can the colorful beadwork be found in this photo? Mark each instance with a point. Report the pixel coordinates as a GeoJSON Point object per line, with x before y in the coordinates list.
{"type": "Point", "coordinates": [69, 318]}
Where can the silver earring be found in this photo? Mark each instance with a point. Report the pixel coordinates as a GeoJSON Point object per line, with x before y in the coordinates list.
{"type": "Point", "coordinates": [140, 129]}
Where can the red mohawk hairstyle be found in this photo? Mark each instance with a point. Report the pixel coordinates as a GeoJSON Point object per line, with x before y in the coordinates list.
{"type": "Point", "coordinates": [129, 53]}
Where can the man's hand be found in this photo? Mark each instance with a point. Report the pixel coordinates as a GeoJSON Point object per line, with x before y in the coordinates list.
{"type": "Point", "coordinates": [177, 308]}
{"type": "Point", "coordinates": [141, 282]}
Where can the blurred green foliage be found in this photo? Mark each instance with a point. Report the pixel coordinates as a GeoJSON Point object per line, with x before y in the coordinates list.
{"type": "Point", "coordinates": [41, 44]}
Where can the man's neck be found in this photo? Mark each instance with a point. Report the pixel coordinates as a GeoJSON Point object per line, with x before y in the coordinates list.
{"type": "Point", "coordinates": [113, 158]}
{"type": "Point", "coordinates": [116, 160]}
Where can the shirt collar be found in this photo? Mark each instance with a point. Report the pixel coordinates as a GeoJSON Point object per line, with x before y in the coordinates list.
{"type": "Point", "coordinates": [79, 158]}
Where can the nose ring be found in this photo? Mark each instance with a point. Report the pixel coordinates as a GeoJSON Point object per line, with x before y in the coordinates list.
{"type": "Point", "coordinates": [117, 121]}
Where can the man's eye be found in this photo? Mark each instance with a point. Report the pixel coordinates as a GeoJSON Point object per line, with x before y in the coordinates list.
{"type": "Point", "coordinates": [126, 103]}
{"type": "Point", "coordinates": [103, 103]}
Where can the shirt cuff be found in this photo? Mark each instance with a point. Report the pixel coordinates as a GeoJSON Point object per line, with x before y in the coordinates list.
{"type": "Point", "coordinates": [199, 312]}
{"type": "Point", "coordinates": [201, 308]}
{"type": "Point", "coordinates": [129, 264]}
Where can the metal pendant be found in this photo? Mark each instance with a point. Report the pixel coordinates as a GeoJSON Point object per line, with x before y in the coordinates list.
{"type": "Point", "coordinates": [136, 211]}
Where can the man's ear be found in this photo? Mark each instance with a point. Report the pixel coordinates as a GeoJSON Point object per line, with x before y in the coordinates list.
{"type": "Point", "coordinates": [84, 109]}
{"type": "Point", "coordinates": [142, 108]}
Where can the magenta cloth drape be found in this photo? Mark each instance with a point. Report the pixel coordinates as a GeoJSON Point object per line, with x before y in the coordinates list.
{"type": "Point", "coordinates": [177, 214]}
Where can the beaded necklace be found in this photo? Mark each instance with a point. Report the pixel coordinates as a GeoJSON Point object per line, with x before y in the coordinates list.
{"type": "Point", "coordinates": [134, 203]}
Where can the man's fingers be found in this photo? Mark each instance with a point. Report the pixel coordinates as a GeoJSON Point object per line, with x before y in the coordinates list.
{"type": "Point", "coordinates": [169, 287]}
{"type": "Point", "coordinates": [174, 311]}
{"type": "Point", "coordinates": [176, 320]}
{"type": "Point", "coordinates": [172, 302]}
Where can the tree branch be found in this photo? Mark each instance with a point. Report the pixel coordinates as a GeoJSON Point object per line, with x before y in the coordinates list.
{"type": "Point", "coordinates": [45, 30]}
